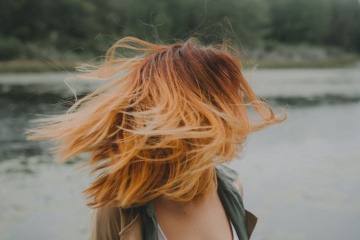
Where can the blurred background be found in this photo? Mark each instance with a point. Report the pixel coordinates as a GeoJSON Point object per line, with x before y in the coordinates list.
{"type": "Point", "coordinates": [301, 178]}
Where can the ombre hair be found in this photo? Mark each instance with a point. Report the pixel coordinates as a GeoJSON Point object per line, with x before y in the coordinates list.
{"type": "Point", "coordinates": [162, 122]}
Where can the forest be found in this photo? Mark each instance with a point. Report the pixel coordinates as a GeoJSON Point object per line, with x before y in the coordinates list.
{"type": "Point", "coordinates": [37, 29]}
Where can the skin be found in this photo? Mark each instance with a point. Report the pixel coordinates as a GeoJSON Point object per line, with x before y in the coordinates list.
{"type": "Point", "coordinates": [205, 220]}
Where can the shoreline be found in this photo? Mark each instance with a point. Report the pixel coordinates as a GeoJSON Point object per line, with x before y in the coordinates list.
{"type": "Point", "coordinates": [41, 66]}
{"type": "Point", "coordinates": [322, 64]}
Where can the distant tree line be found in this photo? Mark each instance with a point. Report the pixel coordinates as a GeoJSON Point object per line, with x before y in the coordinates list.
{"type": "Point", "coordinates": [36, 28]}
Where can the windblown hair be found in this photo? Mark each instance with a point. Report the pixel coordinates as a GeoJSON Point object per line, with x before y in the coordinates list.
{"type": "Point", "coordinates": [160, 124]}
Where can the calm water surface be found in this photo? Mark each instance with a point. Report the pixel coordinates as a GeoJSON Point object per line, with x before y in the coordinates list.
{"type": "Point", "coordinates": [301, 178]}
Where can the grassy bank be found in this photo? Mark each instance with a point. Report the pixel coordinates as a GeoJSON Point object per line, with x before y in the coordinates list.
{"type": "Point", "coordinates": [325, 63]}
{"type": "Point", "coordinates": [277, 55]}
{"type": "Point", "coordinates": [268, 56]}
{"type": "Point", "coordinates": [19, 66]}
{"type": "Point", "coordinates": [22, 66]}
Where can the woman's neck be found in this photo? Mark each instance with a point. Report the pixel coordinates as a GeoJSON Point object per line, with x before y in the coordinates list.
{"type": "Point", "coordinates": [164, 204]}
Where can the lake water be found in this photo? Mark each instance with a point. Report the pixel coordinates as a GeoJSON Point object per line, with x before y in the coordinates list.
{"type": "Point", "coordinates": [301, 178]}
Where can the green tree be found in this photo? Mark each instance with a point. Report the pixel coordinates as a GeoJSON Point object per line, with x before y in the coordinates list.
{"type": "Point", "coordinates": [295, 21]}
{"type": "Point", "coordinates": [164, 19]}
{"type": "Point", "coordinates": [344, 29]}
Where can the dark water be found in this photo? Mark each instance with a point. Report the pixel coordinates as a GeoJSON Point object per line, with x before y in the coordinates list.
{"type": "Point", "coordinates": [301, 178]}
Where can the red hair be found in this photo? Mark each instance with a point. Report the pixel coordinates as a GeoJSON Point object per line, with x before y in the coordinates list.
{"type": "Point", "coordinates": [165, 118]}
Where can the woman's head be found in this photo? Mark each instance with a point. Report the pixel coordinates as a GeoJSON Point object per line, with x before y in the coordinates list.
{"type": "Point", "coordinates": [165, 118]}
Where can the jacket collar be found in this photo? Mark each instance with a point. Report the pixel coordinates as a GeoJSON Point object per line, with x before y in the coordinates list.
{"type": "Point", "coordinates": [150, 224]}
{"type": "Point", "coordinates": [230, 199]}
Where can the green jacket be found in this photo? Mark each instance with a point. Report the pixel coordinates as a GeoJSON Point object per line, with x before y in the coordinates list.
{"type": "Point", "coordinates": [111, 223]}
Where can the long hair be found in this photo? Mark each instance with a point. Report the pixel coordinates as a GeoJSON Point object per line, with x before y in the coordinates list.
{"type": "Point", "coordinates": [163, 120]}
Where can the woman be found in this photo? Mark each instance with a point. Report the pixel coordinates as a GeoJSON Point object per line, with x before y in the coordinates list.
{"type": "Point", "coordinates": [158, 132]}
